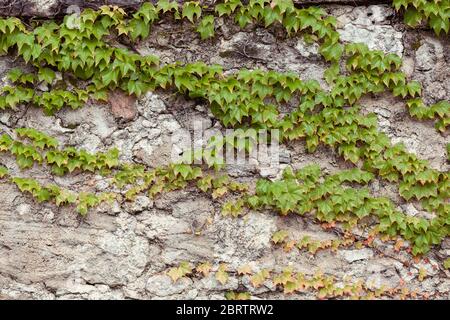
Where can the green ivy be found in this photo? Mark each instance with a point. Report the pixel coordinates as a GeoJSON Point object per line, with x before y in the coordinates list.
{"type": "Point", "coordinates": [435, 12]}
{"type": "Point", "coordinates": [247, 100]}
{"type": "Point", "coordinates": [332, 198]}
{"type": "Point", "coordinates": [44, 149]}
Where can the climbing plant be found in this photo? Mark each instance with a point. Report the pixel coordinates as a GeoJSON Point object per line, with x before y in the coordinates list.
{"type": "Point", "coordinates": [85, 47]}
{"type": "Point", "coordinates": [290, 281]}
{"type": "Point", "coordinates": [436, 13]}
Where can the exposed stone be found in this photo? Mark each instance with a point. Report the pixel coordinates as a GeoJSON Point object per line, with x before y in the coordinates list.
{"type": "Point", "coordinates": [244, 239]}
{"type": "Point", "coordinates": [431, 267]}
{"type": "Point", "coordinates": [140, 203]}
{"type": "Point", "coordinates": [23, 208]}
{"type": "Point", "coordinates": [446, 243]}
{"type": "Point", "coordinates": [376, 38]}
{"type": "Point", "coordinates": [357, 254]}
{"type": "Point", "coordinates": [376, 281]}
{"type": "Point", "coordinates": [307, 50]}
{"type": "Point", "coordinates": [122, 105]}
{"type": "Point", "coordinates": [412, 211]}
{"type": "Point", "coordinates": [122, 250]}
{"type": "Point", "coordinates": [5, 119]}
{"type": "Point", "coordinates": [444, 287]}
{"type": "Point", "coordinates": [367, 26]}
{"type": "Point", "coordinates": [162, 285]}
{"type": "Point", "coordinates": [153, 103]}
{"type": "Point", "coordinates": [229, 47]}
{"type": "Point", "coordinates": [408, 66]}
{"type": "Point", "coordinates": [427, 54]}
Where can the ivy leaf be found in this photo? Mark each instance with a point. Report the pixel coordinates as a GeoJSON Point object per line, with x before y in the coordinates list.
{"type": "Point", "coordinates": [110, 76]}
{"type": "Point", "coordinates": [332, 51]}
{"type": "Point", "coordinates": [242, 18]}
{"type": "Point", "coordinates": [46, 74]}
{"type": "Point", "coordinates": [399, 3]}
{"type": "Point", "coordinates": [27, 185]}
{"type": "Point", "coordinates": [43, 194]}
{"type": "Point", "coordinates": [3, 172]}
{"type": "Point", "coordinates": [270, 16]}
{"type": "Point", "coordinates": [166, 5]}
{"type": "Point", "coordinates": [237, 295]}
{"type": "Point", "coordinates": [100, 95]}
{"type": "Point", "coordinates": [86, 201]}
{"type": "Point", "coordinates": [64, 197]}
{"type": "Point", "coordinates": [244, 270]}
{"type": "Point", "coordinates": [174, 274]}
{"type": "Point", "coordinates": [447, 263]}
{"type": "Point", "coordinates": [206, 27]}
{"type": "Point", "coordinates": [14, 74]}
{"type": "Point", "coordinates": [253, 201]}
{"type": "Point", "coordinates": [290, 287]}
{"type": "Point", "coordinates": [284, 277]}
{"type": "Point", "coordinates": [219, 192]}
{"type": "Point", "coordinates": [279, 236]}
{"type": "Point", "coordinates": [412, 17]}
{"type": "Point", "coordinates": [136, 87]}
{"type": "Point", "coordinates": [24, 162]}
{"type": "Point", "coordinates": [139, 29]}
{"type": "Point", "coordinates": [226, 8]}
{"type": "Point", "coordinates": [222, 274]}
{"type": "Point", "coordinates": [204, 268]}
{"type": "Point", "coordinates": [414, 88]}
{"type": "Point", "coordinates": [258, 279]}
{"type": "Point", "coordinates": [438, 24]}
{"type": "Point", "coordinates": [185, 268]}
{"type": "Point", "coordinates": [148, 12]}
{"type": "Point", "coordinates": [182, 169]}
{"type": "Point", "coordinates": [191, 9]}
{"type": "Point", "coordinates": [331, 73]}
{"type": "Point", "coordinates": [422, 274]}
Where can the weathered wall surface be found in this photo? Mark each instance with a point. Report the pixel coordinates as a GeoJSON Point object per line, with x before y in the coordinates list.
{"type": "Point", "coordinates": [123, 251]}
{"type": "Point", "coordinates": [51, 8]}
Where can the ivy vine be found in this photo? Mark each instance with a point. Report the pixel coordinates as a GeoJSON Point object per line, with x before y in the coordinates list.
{"type": "Point", "coordinates": [85, 47]}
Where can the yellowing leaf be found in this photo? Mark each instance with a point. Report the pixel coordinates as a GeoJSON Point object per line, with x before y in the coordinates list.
{"type": "Point", "coordinates": [182, 270]}
{"type": "Point", "coordinates": [174, 274]}
{"type": "Point", "coordinates": [219, 192]}
{"type": "Point", "coordinates": [204, 268]}
{"type": "Point", "coordinates": [422, 274]}
{"type": "Point", "coordinates": [245, 269]}
{"type": "Point", "coordinates": [447, 263]}
{"type": "Point", "coordinates": [222, 274]}
{"type": "Point", "coordinates": [259, 278]}
{"type": "Point", "coordinates": [279, 236]}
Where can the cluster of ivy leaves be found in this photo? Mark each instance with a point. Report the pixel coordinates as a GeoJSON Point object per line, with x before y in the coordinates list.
{"type": "Point", "coordinates": [83, 47]}
{"type": "Point", "coordinates": [52, 193]}
{"type": "Point", "coordinates": [35, 147]}
{"type": "Point", "coordinates": [287, 280]}
{"type": "Point", "coordinates": [23, 92]}
{"type": "Point", "coordinates": [310, 244]}
{"type": "Point", "coordinates": [435, 12]}
{"type": "Point", "coordinates": [332, 198]}
{"type": "Point", "coordinates": [299, 192]}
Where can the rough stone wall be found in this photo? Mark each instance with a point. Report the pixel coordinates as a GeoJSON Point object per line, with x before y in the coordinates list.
{"type": "Point", "coordinates": [123, 251]}
{"type": "Point", "coordinates": [51, 8]}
